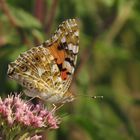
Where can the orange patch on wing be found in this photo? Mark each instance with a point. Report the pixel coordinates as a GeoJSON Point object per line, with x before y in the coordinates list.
{"type": "Point", "coordinates": [64, 75]}
{"type": "Point", "coordinates": [58, 54]}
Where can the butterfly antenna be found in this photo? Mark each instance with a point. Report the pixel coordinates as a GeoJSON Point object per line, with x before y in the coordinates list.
{"type": "Point", "coordinates": [91, 97]}
{"type": "Point", "coordinates": [97, 97]}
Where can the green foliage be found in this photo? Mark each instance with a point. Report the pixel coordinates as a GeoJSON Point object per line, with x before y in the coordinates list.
{"type": "Point", "coordinates": [24, 19]}
{"type": "Point", "coordinates": [108, 62]}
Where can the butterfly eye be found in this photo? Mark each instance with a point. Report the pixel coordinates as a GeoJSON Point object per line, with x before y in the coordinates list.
{"type": "Point", "coordinates": [23, 68]}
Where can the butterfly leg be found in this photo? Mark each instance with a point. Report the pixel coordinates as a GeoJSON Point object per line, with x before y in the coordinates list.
{"type": "Point", "coordinates": [56, 107]}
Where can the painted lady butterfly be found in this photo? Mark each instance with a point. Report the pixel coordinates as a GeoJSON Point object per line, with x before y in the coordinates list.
{"type": "Point", "coordinates": [46, 71]}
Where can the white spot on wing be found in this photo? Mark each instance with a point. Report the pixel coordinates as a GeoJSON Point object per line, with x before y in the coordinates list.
{"type": "Point", "coordinates": [70, 46]}
{"type": "Point", "coordinates": [54, 68]}
{"type": "Point", "coordinates": [47, 42]}
{"type": "Point", "coordinates": [55, 37]}
{"type": "Point", "coordinates": [63, 39]}
{"type": "Point", "coordinates": [68, 25]}
{"type": "Point", "coordinates": [59, 79]}
{"type": "Point", "coordinates": [75, 49]}
{"type": "Point", "coordinates": [59, 31]}
{"type": "Point", "coordinates": [77, 33]}
{"type": "Point", "coordinates": [40, 71]}
{"type": "Point", "coordinates": [67, 65]}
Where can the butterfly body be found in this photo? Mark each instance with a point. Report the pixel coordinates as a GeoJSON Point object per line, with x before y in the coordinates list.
{"type": "Point", "coordinates": [46, 71]}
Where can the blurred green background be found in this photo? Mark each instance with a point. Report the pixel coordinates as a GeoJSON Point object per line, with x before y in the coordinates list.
{"type": "Point", "coordinates": [108, 62]}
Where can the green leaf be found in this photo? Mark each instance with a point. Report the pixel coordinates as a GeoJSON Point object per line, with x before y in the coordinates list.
{"type": "Point", "coordinates": [24, 19]}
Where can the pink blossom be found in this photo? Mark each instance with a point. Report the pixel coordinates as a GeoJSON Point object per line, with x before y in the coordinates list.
{"type": "Point", "coordinates": [15, 110]}
{"type": "Point", "coordinates": [36, 137]}
{"type": "Point", "coordinates": [51, 121]}
{"type": "Point", "coordinates": [17, 115]}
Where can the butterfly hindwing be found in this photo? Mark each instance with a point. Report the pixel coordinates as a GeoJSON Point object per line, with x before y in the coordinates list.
{"type": "Point", "coordinates": [35, 69]}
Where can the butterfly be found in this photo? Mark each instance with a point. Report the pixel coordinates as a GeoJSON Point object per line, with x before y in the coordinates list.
{"type": "Point", "coordinates": [46, 71]}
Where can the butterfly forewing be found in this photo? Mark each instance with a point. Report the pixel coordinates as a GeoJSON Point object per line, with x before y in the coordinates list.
{"type": "Point", "coordinates": [64, 46]}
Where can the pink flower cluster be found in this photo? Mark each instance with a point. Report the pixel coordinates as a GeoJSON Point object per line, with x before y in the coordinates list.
{"type": "Point", "coordinates": [18, 111]}
{"type": "Point", "coordinates": [36, 137]}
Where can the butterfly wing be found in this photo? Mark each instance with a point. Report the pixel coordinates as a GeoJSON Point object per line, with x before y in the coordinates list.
{"type": "Point", "coordinates": [36, 70]}
{"type": "Point", "coordinates": [50, 66]}
{"type": "Point", "coordinates": [64, 46]}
